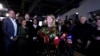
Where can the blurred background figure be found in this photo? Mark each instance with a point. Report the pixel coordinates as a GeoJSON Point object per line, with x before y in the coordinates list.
{"type": "Point", "coordinates": [17, 15]}
{"type": "Point", "coordinates": [60, 27]}
{"type": "Point", "coordinates": [23, 36]}
{"type": "Point", "coordinates": [34, 38]}
{"type": "Point", "coordinates": [28, 20]}
{"type": "Point", "coordinates": [94, 47]}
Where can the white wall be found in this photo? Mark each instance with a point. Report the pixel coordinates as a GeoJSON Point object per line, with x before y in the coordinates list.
{"type": "Point", "coordinates": [85, 7]}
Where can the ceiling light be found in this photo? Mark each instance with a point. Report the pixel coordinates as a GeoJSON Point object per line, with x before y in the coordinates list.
{"type": "Point", "coordinates": [7, 14]}
{"type": "Point", "coordinates": [77, 13]}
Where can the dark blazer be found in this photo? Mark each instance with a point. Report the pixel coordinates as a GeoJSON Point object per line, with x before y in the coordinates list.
{"type": "Point", "coordinates": [22, 32]}
{"type": "Point", "coordinates": [8, 30]}
{"type": "Point", "coordinates": [63, 28]}
{"type": "Point", "coordinates": [33, 31]}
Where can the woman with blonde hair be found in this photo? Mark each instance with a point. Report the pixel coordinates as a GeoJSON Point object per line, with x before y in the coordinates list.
{"type": "Point", "coordinates": [50, 20]}
{"type": "Point", "coordinates": [48, 33]}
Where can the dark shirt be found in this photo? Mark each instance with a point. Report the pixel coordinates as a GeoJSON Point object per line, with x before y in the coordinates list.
{"type": "Point", "coordinates": [94, 41]}
{"type": "Point", "coordinates": [83, 32]}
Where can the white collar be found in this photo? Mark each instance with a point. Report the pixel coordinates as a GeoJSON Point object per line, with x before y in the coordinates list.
{"type": "Point", "coordinates": [12, 19]}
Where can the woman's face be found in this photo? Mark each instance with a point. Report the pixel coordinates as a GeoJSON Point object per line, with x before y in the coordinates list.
{"type": "Point", "coordinates": [98, 23]}
{"type": "Point", "coordinates": [49, 20]}
{"type": "Point", "coordinates": [27, 17]}
{"type": "Point", "coordinates": [34, 21]}
{"type": "Point", "coordinates": [24, 23]}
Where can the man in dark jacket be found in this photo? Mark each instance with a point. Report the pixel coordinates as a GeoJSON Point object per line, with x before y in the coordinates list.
{"type": "Point", "coordinates": [82, 34]}
{"type": "Point", "coordinates": [10, 33]}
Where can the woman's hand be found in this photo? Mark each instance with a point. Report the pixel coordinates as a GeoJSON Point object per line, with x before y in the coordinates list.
{"type": "Point", "coordinates": [79, 41]}
{"type": "Point", "coordinates": [88, 43]}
